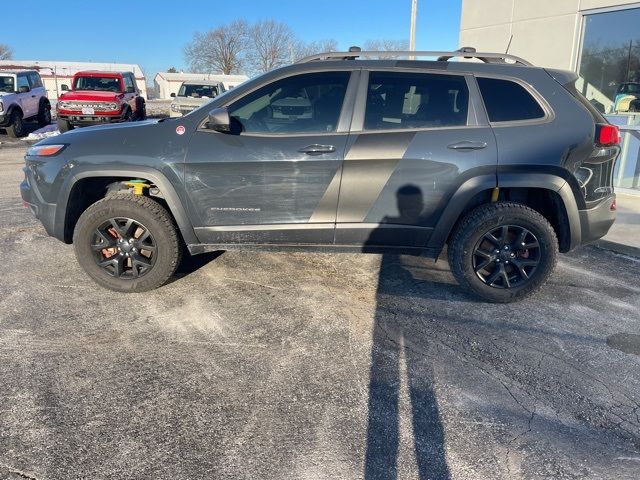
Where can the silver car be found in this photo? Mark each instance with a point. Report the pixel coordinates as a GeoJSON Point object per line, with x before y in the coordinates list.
{"type": "Point", "coordinates": [194, 94]}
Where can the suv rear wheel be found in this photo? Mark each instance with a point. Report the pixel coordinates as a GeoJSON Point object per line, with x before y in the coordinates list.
{"type": "Point", "coordinates": [127, 243]}
{"type": "Point", "coordinates": [16, 125]}
{"type": "Point", "coordinates": [503, 251]}
{"type": "Point", "coordinates": [44, 114]}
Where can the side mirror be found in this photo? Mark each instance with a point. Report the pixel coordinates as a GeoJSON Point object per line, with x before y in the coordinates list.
{"type": "Point", "coordinates": [173, 95]}
{"type": "Point", "coordinates": [23, 89]}
{"type": "Point", "coordinates": [219, 120]}
{"type": "Point", "coordinates": [131, 90]}
{"type": "Point", "coordinates": [64, 87]}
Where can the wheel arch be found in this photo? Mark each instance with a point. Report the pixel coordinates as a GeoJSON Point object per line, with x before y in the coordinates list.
{"type": "Point", "coordinates": [548, 193]}
{"type": "Point", "coordinates": [66, 215]}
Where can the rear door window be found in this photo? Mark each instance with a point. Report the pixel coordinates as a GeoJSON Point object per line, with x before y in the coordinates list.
{"type": "Point", "coordinates": [415, 100]}
{"type": "Point", "coordinates": [508, 101]}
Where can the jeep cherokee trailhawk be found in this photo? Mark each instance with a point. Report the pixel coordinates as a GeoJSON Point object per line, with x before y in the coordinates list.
{"type": "Point", "coordinates": [505, 162]}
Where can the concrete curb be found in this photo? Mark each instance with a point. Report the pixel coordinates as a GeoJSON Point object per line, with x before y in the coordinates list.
{"type": "Point", "coordinates": [618, 248]}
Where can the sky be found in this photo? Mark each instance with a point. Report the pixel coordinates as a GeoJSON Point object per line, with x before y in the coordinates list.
{"type": "Point", "coordinates": [153, 34]}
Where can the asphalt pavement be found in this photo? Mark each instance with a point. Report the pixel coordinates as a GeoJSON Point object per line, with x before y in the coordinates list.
{"type": "Point", "coordinates": [311, 366]}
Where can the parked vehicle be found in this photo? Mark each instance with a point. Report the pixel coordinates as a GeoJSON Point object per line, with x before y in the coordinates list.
{"type": "Point", "coordinates": [505, 163]}
{"type": "Point", "coordinates": [627, 97]}
{"type": "Point", "coordinates": [194, 94]}
{"type": "Point", "coordinates": [100, 97]}
{"type": "Point", "coordinates": [22, 98]}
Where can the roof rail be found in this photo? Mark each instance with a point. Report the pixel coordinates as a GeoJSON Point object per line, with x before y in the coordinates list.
{"type": "Point", "coordinates": [466, 52]}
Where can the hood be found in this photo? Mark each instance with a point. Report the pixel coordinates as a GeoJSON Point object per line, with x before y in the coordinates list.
{"type": "Point", "coordinates": [4, 94]}
{"type": "Point", "coordinates": [89, 95]}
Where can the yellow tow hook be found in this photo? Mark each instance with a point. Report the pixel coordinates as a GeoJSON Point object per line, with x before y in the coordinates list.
{"type": "Point", "coordinates": [137, 185]}
{"type": "Point", "coordinates": [494, 195]}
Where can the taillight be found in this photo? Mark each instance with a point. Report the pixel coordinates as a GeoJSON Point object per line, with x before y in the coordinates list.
{"type": "Point", "coordinates": [607, 135]}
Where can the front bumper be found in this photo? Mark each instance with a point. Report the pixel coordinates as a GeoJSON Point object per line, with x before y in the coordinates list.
{"type": "Point", "coordinates": [32, 199]}
{"type": "Point", "coordinates": [596, 222]}
{"type": "Point", "coordinates": [4, 120]}
{"type": "Point", "coordinates": [86, 120]}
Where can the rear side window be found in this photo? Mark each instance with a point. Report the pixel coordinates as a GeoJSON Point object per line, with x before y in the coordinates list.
{"type": "Point", "coordinates": [508, 101]}
{"type": "Point", "coordinates": [415, 100]}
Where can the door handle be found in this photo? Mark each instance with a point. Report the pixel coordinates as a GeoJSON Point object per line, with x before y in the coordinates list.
{"type": "Point", "coordinates": [467, 145]}
{"type": "Point", "coordinates": [316, 149]}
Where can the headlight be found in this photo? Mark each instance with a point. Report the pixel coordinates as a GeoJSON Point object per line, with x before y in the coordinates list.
{"type": "Point", "coordinates": [63, 105]}
{"type": "Point", "coordinates": [45, 150]}
{"type": "Point", "coordinates": [1, 107]}
{"type": "Point", "coordinates": [111, 106]}
{"type": "Point", "coordinates": [175, 107]}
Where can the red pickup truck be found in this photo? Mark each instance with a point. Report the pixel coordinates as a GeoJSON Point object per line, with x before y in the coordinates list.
{"type": "Point", "coordinates": [100, 97]}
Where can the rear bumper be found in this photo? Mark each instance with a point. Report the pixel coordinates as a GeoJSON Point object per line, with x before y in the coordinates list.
{"type": "Point", "coordinates": [596, 222]}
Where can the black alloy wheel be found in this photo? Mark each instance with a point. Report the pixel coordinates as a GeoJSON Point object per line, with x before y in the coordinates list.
{"type": "Point", "coordinates": [124, 248]}
{"type": "Point", "coordinates": [506, 256]}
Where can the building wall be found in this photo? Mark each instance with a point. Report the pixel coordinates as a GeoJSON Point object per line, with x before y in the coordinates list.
{"type": "Point", "coordinates": [545, 32]}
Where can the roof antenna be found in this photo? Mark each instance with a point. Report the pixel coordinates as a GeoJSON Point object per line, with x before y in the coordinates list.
{"type": "Point", "coordinates": [509, 44]}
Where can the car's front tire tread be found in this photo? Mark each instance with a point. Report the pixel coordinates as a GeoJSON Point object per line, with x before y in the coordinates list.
{"type": "Point", "coordinates": [149, 212]}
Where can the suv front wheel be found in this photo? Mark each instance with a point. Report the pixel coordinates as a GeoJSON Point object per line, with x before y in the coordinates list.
{"type": "Point", "coordinates": [127, 243]}
{"type": "Point", "coordinates": [503, 251]}
{"type": "Point", "coordinates": [16, 125]}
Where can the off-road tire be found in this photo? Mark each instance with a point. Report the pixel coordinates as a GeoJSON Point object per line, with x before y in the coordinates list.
{"type": "Point", "coordinates": [128, 116]}
{"type": "Point", "coordinates": [64, 125]}
{"type": "Point", "coordinates": [473, 227]}
{"type": "Point", "coordinates": [44, 114]}
{"type": "Point", "coordinates": [145, 211]}
{"type": "Point", "coordinates": [141, 109]}
{"type": "Point", "coordinates": [16, 125]}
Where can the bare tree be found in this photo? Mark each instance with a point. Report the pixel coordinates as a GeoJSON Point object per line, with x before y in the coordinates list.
{"type": "Point", "coordinates": [271, 45]}
{"type": "Point", "coordinates": [6, 52]}
{"type": "Point", "coordinates": [386, 45]}
{"type": "Point", "coordinates": [218, 50]}
{"type": "Point", "coordinates": [304, 49]}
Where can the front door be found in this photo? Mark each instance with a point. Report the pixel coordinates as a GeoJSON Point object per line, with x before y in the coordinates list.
{"type": "Point", "coordinates": [417, 139]}
{"type": "Point", "coordinates": [275, 177]}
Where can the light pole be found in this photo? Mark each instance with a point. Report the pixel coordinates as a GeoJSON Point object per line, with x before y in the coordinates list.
{"type": "Point", "coordinates": [412, 29]}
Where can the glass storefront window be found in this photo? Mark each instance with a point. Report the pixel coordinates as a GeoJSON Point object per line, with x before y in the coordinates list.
{"type": "Point", "coordinates": [610, 60]}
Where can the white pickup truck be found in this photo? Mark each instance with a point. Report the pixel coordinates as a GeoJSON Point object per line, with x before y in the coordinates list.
{"type": "Point", "coordinates": [22, 98]}
{"type": "Point", "coordinates": [193, 94]}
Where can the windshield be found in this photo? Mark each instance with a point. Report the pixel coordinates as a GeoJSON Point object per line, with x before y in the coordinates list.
{"type": "Point", "coordinates": [198, 91]}
{"type": "Point", "coordinates": [101, 84]}
{"type": "Point", "coordinates": [7, 85]}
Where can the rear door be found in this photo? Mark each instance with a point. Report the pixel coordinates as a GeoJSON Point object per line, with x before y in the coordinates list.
{"type": "Point", "coordinates": [27, 100]}
{"type": "Point", "coordinates": [275, 177]}
{"type": "Point", "coordinates": [416, 137]}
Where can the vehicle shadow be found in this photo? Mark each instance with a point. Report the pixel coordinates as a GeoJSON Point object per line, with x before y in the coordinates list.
{"type": "Point", "coordinates": [392, 331]}
{"type": "Point", "coordinates": [193, 263]}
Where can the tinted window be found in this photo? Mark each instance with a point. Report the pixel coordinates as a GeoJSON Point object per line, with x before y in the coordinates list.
{"type": "Point", "coordinates": [304, 103]}
{"type": "Point", "coordinates": [22, 81]}
{"type": "Point", "coordinates": [507, 101]}
{"type": "Point", "coordinates": [6, 84]}
{"type": "Point", "coordinates": [415, 100]}
{"type": "Point", "coordinates": [35, 81]}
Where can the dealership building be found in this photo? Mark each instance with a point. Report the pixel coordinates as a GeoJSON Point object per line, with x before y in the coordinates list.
{"type": "Point", "coordinates": [598, 39]}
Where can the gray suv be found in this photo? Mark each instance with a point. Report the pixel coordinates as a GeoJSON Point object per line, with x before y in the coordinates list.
{"type": "Point", "coordinates": [505, 163]}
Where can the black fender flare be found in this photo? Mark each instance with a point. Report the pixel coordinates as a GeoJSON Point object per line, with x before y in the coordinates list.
{"type": "Point", "coordinates": [169, 193]}
{"type": "Point", "coordinates": [13, 107]}
{"type": "Point", "coordinates": [554, 181]}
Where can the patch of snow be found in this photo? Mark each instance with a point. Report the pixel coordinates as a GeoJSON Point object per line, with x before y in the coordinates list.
{"type": "Point", "coordinates": [44, 132]}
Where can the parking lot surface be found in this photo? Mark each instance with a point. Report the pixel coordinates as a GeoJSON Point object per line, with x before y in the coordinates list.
{"type": "Point", "coordinates": [311, 366]}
